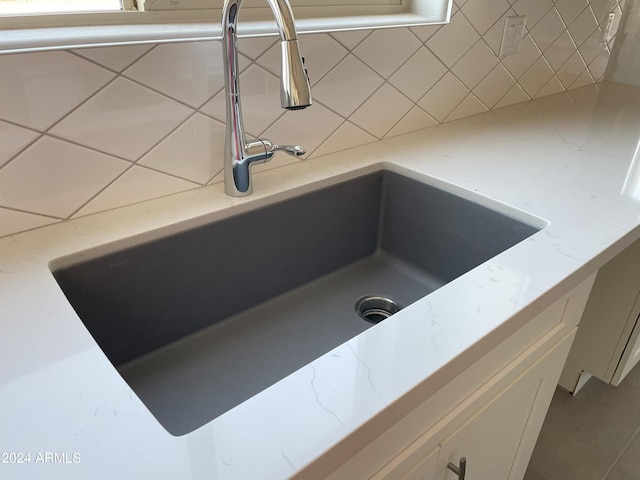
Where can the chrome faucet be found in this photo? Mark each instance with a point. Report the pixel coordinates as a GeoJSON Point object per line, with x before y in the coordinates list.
{"type": "Point", "coordinates": [295, 94]}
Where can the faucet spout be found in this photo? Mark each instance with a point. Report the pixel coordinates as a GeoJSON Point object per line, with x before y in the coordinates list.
{"type": "Point", "coordinates": [295, 94]}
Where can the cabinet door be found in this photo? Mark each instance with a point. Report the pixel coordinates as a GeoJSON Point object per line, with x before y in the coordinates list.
{"type": "Point", "coordinates": [417, 462]}
{"type": "Point", "coordinates": [607, 322]}
{"type": "Point", "coordinates": [630, 356]}
{"type": "Point", "coordinates": [498, 440]}
{"type": "Point", "coordinates": [425, 469]}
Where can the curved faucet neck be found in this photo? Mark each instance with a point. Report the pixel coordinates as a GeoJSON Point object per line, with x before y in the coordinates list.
{"type": "Point", "coordinates": [281, 12]}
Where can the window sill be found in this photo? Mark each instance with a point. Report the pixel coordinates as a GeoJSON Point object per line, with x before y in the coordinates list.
{"type": "Point", "coordinates": [82, 30]}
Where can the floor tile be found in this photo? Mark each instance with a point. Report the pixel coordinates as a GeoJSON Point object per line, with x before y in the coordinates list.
{"type": "Point", "coordinates": [583, 436]}
{"type": "Point", "coordinates": [630, 459]}
{"type": "Point", "coordinates": [533, 474]}
{"type": "Point", "coordinates": [617, 474]}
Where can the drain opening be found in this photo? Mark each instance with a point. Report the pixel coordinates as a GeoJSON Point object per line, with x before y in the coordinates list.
{"type": "Point", "coordinates": [376, 308]}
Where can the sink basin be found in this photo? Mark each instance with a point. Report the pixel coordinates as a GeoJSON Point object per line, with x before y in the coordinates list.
{"type": "Point", "coordinates": [199, 321]}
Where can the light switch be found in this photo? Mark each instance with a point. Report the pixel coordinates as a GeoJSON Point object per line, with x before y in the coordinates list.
{"type": "Point", "coordinates": [512, 35]}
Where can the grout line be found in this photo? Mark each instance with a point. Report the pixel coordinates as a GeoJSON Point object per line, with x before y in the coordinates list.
{"type": "Point", "coordinates": [88, 147]}
{"type": "Point", "coordinates": [31, 212]}
{"type": "Point", "coordinates": [542, 474]}
{"type": "Point", "coordinates": [93, 197]}
{"type": "Point", "coordinates": [132, 203]}
{"type": "Point", "coordinates": [386, 135]}
{"type": "Point", "coordinates": [158, 92]}
{"type": "Point", "coordinates": [122, 174]}
{"type": "Point", "coordinates": [500, 17]}
{"type": "Point", "coordinates": [624, 449]}
{"type": "Point", "coordinates": [350, 50]}
{"type": "Point", "coordinates": [140, 57]}
{"type": "Point", "coordinates": [22, 150]}
{"type": "Point", "coordinates": [46, 131]}
{"type": "Point", "coordinates": [90, 60]}
{"type": "Point", "coordinates": [310, 154]}
{"type": "Point", "coordinates": [265, 129]}
{"type": "Point", "coordinates": [81, 104]}
{"type": "Point", "coordinates": [171, 132]}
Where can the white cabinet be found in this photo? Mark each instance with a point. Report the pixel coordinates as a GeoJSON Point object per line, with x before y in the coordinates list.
{"type": "Point", "coordinates": [493, 439]}
{"type": "Point", "coordinates": [406, 467]}
{"type": "Point", "coordinates": [630, 356]}
{"type": "Point", "coordinates": [491, 414]}
{"type": "Point", "coordinates": [607, 345]}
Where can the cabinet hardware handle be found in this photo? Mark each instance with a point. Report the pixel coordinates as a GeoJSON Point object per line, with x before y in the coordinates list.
{"type": "Point", "coordinates": [460, 469]}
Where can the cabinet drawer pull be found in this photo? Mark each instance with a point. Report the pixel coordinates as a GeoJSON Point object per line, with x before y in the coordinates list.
{"type": "Point", "coordinates": [460, 469]}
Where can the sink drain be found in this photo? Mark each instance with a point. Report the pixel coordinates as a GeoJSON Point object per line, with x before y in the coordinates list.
{"type": "Point", "coordinates": [375, 308]}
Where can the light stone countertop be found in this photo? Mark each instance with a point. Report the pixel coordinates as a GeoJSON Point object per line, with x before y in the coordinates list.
{"type": "Point", "coordinates": [570, 159]}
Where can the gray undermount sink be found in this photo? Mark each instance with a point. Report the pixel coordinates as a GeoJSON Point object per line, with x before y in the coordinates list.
{"type": "Point", "coordinates": [199, 321]}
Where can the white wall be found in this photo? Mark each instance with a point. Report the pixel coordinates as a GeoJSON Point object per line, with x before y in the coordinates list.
{"type": "Point", "coordinates": [88, 130]}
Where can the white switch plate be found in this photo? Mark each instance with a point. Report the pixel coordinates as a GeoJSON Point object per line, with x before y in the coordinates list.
{"type": "Point", "coordinates": [512, 35]}
{"type": "Point", "coordinates": [607, 27]}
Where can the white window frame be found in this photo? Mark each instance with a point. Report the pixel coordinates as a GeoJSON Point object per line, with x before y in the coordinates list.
{"type": "Point", "coordinates": [161, 22]}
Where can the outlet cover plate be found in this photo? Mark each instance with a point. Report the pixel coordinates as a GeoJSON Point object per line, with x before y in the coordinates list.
{"type": "Point", "coordinates": [512, 35]}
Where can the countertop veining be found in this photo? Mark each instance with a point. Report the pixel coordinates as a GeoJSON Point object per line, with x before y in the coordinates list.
{"type": "Point", "coordinates": [570, 159]}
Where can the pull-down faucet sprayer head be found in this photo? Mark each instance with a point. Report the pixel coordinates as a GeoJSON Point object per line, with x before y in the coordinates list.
{"type": "Point", "coordinates": [295, 92]}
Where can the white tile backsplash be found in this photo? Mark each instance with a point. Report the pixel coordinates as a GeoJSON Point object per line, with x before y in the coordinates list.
{"type": "Point", "coordinates": [418, 74]}
{"type": "Point", "coordinates": [55, 178]}
{"type": "Point", "coordinates": [114, 58]}
{"type": "Point", "coordinates": [124, 119]}
{"type": "Point", "coordinates": [92, 129]}
{"type": "Point", "coordinates": [494, 86]}
{"type": "Point", "coordinates": [309, 127]}
{"type": "Point", "coordinates": [476, 65]}
{"type": "Point", "coordinates": [536, 77]}
{"type": "Point", "coordinates": [483, 15]}
{"type": "Point", "coordinates": [570, 9]}
{"type": "Point", "coordinates": [583, 26]}
{"type": "Point", "coordinates": [380, 49]}
{"type": "Point", "coordinates": [135, 185]}
{"type": "Point", "coordinates": [534, 9]}
{"type": "Point", "coordinates": [515, 95]}
{"type": "Point", "coordinates": [201, 160]}
{"type": "Point", "coordinates": [414, 120]}
{"type": "Point", "coordinates": [562, 48]}
{"type": "Point", "coordinates": [13, 139]}
{"type": "Point", "coordinates": [321, 52]}
{"type": "Point", "coordinates": [347, 86]}
{"type": "Point", "coordinates": [386, 99]}
{"type": "Point", "coordinates": [351, 39]}
{"type": "Point", "coordinates": [12, 221]}
{"type": "Point", "coordinates": [520, 63]}
{"type": "Point", "coordinates": [346, 136]}
{"type": "Point", "coordinates": [189, 72]}
{"type": "Point", "coordinates": [443, 97]}
{"type": "Point", "coordinates": [468, 107]}
{"type": "Point", "coordinates": [547, 30]}
{"type": "Point", "coordinates": [454, 40]}
{"type": "Point", "coordinates": [40, 88]}
{"type": "Point", "coordinates": [572, 70]}
{"type": "Point", "coordinates": [260, 100]}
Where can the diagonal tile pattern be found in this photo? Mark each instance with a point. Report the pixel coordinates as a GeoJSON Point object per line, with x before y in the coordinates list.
{"type": "Point", "coordinates": [53, 177]}
{"type": "Point", "coordinates": [13, 139]}
{"type": "Point", "coordinates": [125, 119]}
{"type": "Point", "coordinates": [91, 129]}
{"type": "Point", "coordinates": [40, 88]}
{"type": "Point", "coordinates": [189, 72]}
